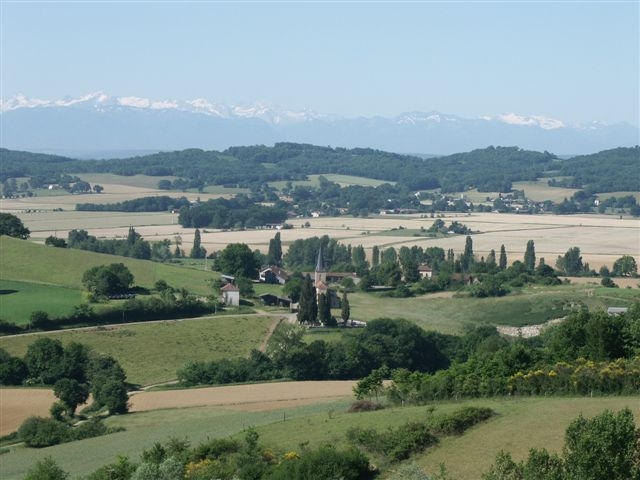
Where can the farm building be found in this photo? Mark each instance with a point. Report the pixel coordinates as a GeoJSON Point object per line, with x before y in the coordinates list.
{"type": "Point", "coordinates": [274, 275]}
{"type": "Point", "coordinates": [230, 295]}
{"type": "Point", "coordinates": [275, 300]}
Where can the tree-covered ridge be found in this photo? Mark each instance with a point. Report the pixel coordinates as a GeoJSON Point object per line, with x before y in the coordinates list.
{"type": "Point", "coordinates": [491, 168]}
{"type": "Point", "coordinates": [606, 171]}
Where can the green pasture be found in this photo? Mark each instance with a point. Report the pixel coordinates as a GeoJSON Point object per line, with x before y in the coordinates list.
{"type": "Point", "coordinates": [467, 456]}
{"type": "Point", "coordinates": [152, 352]}
{"type": "Point", "coordinates": [219, 190]}
{"type": "Point", "coordinates": [342, 180]}
{"type": "Point", "coordinates": [531, 305]}
{"type": "Point", "coordinates": [540, 190]}
{"type": "Point", "coordinates": [141, 181]}
{"type": "Point", "coordinates": [29, 262]}
{"type": "Point", "coordinates": [19, 299]}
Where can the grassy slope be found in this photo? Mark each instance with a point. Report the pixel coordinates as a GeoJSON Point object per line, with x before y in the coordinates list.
{"type": "Point", "coordinates": [19, 299]}
{"type": "Point", "coordinates": [543, 420]}
{"type": "Point", "coordinates": [450, 315]}
{"type": "Point", "coordinates": [153, 352]}
{"type": "Point", "coordinates": [29, 262]}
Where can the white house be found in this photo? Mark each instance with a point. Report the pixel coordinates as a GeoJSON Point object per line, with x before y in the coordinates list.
{"type": "Point", "coordinates": [230, 295]}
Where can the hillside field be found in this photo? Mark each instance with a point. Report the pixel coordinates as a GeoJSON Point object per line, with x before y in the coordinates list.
{"type": "Point", "coordinates": [25, 261]}
{"type": "Point", "coordinates": [152, 352]}
{"type": "Point", "coordinates": [466, 457]}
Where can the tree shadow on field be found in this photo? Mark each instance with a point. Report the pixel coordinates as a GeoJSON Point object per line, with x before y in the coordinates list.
{"type": "Point", "coordinates": [8, 292]}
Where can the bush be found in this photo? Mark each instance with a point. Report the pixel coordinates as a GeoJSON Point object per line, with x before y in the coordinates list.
{"type": "Point", "coordinates": [38, 432]}
{"type": "Point", "coordinates": [364, 406]}
{"type": "Point", "coordinates": [325, 463]}
{"type": "Point", "coordinates": [396, 444]}
{"type": "Point", "coordinates": [46, 469]}
{"type": "Point", "coordinates": [460, 420]}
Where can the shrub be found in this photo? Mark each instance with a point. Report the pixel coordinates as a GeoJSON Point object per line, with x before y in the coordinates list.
{"type": "Point", "coordinates": [396, 444]}
{"type": "Point", "coordinates": [460, 420]}
{"type": "Point", "coordinates": [41, 432]}
{"type": "Point", "coordinates": [46, 469]}
{"type": "Point", "coordinates": [364, 406]}
{"type": "Point", "coordinates": [325, 463]}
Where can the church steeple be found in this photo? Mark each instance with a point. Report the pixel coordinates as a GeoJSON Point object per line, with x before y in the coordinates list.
{"type": "Point", "coordinates": [320, 273]}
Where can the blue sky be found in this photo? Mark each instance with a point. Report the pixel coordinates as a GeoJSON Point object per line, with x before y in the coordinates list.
{"type": "Point", "coordinates": [575, 61]}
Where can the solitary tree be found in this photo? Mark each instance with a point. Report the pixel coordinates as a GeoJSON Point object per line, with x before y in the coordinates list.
{"type": "Point", "coordinates": [345, 311]}
{"type": "Point", "coordinates": [274, 256]}
{"type": "Point", "coordinates": [197, 251]}
{"type": "Point", "coordinates": [466, 260]}
{"type": "Point", "coordinates": [571, 262]}
{"type": "Point", "coordinates": [12, 226]}
{"type": "Point", "coordinates": [625, 265]}
{"type": "Point", "coordinates": [530, 257]}
{"type": "Point", "coordinates": [502, 262]}
{"type": "Point", "coordinates": [238, 260]}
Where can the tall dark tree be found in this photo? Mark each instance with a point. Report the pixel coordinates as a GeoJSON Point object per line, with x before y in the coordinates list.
{"type": "Point", "coordinates": [308, 308]}
{"type": "Point", "coordinates": [491, 260]}
{"type": "Point", "coordinates": [197, 251]}
{"type": "Point", "coordinates": [12, 226]}
{"type": "Point", "coordinates": [324, 309]}
{"type": "Point", "coordinates": [530, 257]}
{"type": "Point", "coordinates": [345, 309]}
{"type": "Point", "coordinates": [71, 393]}
{"type": "Point", "coordinates": [502, 262]}
{"type": "Point", "coordinates": [466, 260]}
{"type": "Point", "coordinates": [274, 256]}
{"type": "Point", "coordinates": [375, 256]}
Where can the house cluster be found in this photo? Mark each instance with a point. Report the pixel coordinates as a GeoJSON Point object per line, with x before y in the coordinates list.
{"type": "Point", "coordinates": [230, 293]}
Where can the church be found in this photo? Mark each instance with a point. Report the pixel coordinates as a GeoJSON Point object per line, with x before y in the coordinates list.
{"type": "Point", "coordinates": [320, 282]}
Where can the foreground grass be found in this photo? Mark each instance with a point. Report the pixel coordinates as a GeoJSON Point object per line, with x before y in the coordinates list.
{"type": "Point", "coordinates": [143, 430]}
{"type": "Point", "coordinates": [19, 299]}
{"type": "Point", "coordinates": [521, 424]}
{"type": "Point", "coordinates": [29, 262]}
{"type": "Point", "coordinates": [153, 352]}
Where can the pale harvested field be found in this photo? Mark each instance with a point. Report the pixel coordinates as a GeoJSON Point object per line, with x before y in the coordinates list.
{"type": "Point", "coordinates": [113, 193]}
{"type": "Point", "coordinates": [601, 238]}
{"type": "Point", "coordinates": [622, 282]}
{"type": "Point", "coordinates": [254, 397]}
{"type": "Point", "coordinates": [16, 404]}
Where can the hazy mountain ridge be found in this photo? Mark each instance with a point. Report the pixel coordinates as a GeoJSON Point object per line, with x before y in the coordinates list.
{"type": "Point", "coordinates": [98, 122]}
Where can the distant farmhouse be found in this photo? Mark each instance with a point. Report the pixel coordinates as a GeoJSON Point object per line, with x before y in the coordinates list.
{"type": "Point", "coordinates": [274, 275]}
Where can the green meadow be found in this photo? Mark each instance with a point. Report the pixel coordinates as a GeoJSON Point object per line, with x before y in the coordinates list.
{"type": "Point", "coordinates": [19, 299]}
{"type": "Point", "coordinates": [520, 424]}
{"type": "Point", "coordinates": [29, 262]}
{"type": "Point", "coordinates": [152, 352]}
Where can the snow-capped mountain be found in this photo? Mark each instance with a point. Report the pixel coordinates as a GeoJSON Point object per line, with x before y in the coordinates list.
{"type": "Point", "coordinates": [98, 122]}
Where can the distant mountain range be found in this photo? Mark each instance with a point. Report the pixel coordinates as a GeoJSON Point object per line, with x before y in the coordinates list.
{"type": "Point", "coordinates": [99, 125]}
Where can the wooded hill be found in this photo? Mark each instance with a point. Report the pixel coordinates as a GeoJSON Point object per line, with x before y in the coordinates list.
{"type": "Point", "coordinates": [489, 169]}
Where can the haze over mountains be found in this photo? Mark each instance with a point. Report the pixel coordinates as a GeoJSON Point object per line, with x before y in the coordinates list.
{"type": "Point", "coordinates": [100, 125]}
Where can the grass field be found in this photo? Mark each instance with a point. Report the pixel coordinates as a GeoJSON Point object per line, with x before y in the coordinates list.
{"type": "Point", "coordinates": [449, 314]}
{"type": "Point", "coordinates": [19, 299]}
{"type": "Point", "coordinates": [153, 352]}
{"type": "Point", "coordinates": [521, 424]}
{"type": "Point", "coordinates": [142, 181]}
{"type": "Point", "coordinates": [342, 180]}
{"type": "Point", "coordinates": [29, 262]}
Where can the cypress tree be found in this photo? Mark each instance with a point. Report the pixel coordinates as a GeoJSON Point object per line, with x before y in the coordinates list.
{"type": "Point", "coordinates": [530, 257]}
{"type": "Point", "coordinates": [345, 311]}
{"type": "Point", "coordinates": [502, 263]}
{"type": "Point", "coordinates": [375, 256]}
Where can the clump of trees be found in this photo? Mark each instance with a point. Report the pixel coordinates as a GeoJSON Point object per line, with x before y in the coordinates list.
{"type": "Point", "coordinates": [12, 226]}
{"type": "Point", "coordinates": [74, 371]}
{"type": "Point", "coordinates": [105, 280]}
